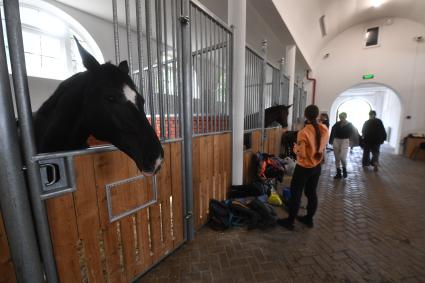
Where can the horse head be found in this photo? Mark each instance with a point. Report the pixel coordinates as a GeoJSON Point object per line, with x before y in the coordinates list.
{"type": "Point", "coordinates": [278, 113]}
{"type": "Point", "coordinates": [113, 111]}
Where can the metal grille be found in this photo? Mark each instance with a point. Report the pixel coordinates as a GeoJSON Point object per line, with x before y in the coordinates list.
{"type": "Point", "coordinates": [156, 76]}
{"type": "Point", "coordinates": [211, 57]}
{"type": "Point", "coordinates": [253, 72]}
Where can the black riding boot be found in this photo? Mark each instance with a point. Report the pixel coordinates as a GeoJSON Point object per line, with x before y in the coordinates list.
{"type": "Point", "coordinates": [338, 174]}
{"type": "Point", "coordinates": [344, 172]}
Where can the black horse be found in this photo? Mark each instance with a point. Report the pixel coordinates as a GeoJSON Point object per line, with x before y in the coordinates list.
{"type": "Point", "coordinates": [103, 102]}
{"type": "Point", "coordinates": [277, 113]}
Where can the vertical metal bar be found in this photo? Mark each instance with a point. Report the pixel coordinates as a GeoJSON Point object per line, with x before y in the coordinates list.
{"type": "Point", "coordinates": [221, 78]}
{"type": "Point", "coordinates": [208, 70]}
{"type": "Point", "coordinates": [150, 67]}
{"type": "Point", "coordinates": [262, 92]}
{"type": "Point", "coordinates": [195, 58]}
{"type": "Point", "coordinates": [20, 83]}
{"type": "Point", "coordinates": [281, 72]}
{"type": "Point", "coordinates": [159, 66]}
{"type": "Point", "coordinates": [250, 90]}
{"type": "Point", "coordinates": [247, 93]}
{"type": "Point", "coordinates": [139, 44]}
{"type": "Point", "coordinates": [187, 112]}
{"type": "Point", "coordinates": [116, 34]}
{"type": "Point", "coordinates": [129, 42]}
{"type": "Point", "coordinates": [14, 200]}
{"type": "Point", "coordinates": [175, 83]}
{"type": "Point", "coordinates": [215, 76]}
{"type": "Point", "coordinates": [202, 93]}
{"type": "Point", "coordinates": [167, 92]}
{"type": "Point", "coordinates": [230, 79]}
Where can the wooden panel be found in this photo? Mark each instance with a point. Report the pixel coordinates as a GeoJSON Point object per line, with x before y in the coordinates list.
{"type": "Point", "coordinates": [7, 272]}
{"type": "Point", "coordinates": [212, 165]}
{"type": "Point", "coordinates": [88, 248]}
{"type": "Point", "coordinates": [177, 193]}
{"type": "Point", "coordinates": [88, 218]}
{"type": "Point", "coordinates": [63, 227]}
{"type": "Point", "coordinates": [110, 167]}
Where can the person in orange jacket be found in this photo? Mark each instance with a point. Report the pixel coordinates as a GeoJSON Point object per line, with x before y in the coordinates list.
{"type": "Point", "coordinates": [310, 146]}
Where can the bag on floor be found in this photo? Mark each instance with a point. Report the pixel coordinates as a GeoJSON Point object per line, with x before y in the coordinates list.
{"type": "Point", "coordinates": [219, 215]}
{"type": "Point", "coordinates": [274, 199]}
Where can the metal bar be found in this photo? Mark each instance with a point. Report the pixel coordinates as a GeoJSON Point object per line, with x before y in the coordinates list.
{"type": "Point", "coordinates": [175, 86]}
{"type": "Point", "coordinates": [90, 150]}
{"type": "Point", "coordinates": [230, 79]}
{"type": "Point", "coordinates": [187, 121]}
{"type": "Point", "coordinates": [196, 65]}
{"type": "Point", "coordinates": [212, 133]}
{"type": "Point", "coordinates": [109, 187]}
{"type": "Point", "coordinates": [129, 42]}
{"type": "Point", "coordinates": [214, 79]}
{"type": "Point", "coordinates": [221, 93]}
{"type": "Point", "coordinates": [14, 200]}
{"type": "Point", "coordinates": [207, 73]}
{"type": "Point", "coordinates": [167, 92]}
{"type": "Point", "coordinates": [116, 34]}
{"type": "Point", "coordinates": [250, 91]}
{"type": "Point", "coordinates": [139, 44]}
{"type": "Point", "coordinates": [20, 83]}
{"type": "Point", "coordinates": [254, 52]}
{"type": "Point", "coordinates": [150, 67]}
{"type": "Point", "coordinates": [202, 78]}
{"type": "Point", "coordinates": [159, 67]}
{"type": "Point", "coordinates": [209, 48]}
{"type": "Point", "coordinates": [211, 14]}
{"type": "Point", "coordinates": [262, 92]}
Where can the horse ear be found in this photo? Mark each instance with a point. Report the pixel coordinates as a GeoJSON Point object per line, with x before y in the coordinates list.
{"type": "Point", "coordinates": [123, 66]}
{"type": "Point", "coordinates": [89, 61]}
{"type": "Point", "coordinates": [289, 106]}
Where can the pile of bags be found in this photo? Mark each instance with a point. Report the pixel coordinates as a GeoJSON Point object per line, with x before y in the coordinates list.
{"type": "Point", "coordinates": [252, 205]}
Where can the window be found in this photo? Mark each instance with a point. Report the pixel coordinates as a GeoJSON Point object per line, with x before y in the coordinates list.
{"type": "Point", "coordinates": [49, 46]}
{"type": "Point", "coordinates": [372, 35]}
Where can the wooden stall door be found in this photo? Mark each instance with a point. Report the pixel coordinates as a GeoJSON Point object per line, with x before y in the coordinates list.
{"type": "Point", "coordinates": [87, 247]}
{"type": "Point", "coordinates": [212, 157]}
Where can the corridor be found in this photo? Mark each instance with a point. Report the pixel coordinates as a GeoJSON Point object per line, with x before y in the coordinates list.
{"type": "Point", "coordinates": [369, 228]}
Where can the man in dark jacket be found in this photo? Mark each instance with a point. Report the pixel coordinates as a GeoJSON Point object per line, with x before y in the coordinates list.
{"type": "Point", "coordinates": [373, 134]}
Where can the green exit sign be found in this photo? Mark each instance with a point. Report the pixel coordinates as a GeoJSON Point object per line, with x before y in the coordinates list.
{"type": "Point", "coordinates": [368, 76]}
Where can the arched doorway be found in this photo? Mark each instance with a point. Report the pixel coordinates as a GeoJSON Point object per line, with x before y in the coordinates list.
{"type": "Point", "coordinates": [359, 100]}
{"type": "Point", "coordinates": [357, 110]}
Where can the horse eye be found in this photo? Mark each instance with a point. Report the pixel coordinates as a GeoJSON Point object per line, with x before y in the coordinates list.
{"type": "Point", "coordinates": [112, 98]}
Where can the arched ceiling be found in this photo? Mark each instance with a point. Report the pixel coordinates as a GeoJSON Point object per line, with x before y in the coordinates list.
{"type": "Point", "coordinates": [302, 18]}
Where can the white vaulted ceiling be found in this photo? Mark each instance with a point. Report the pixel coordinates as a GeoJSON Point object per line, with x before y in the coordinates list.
{"type": "Point", "coordinates": [302, 18]}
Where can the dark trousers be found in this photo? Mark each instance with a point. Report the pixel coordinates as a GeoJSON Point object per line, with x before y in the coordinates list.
{"type": "Point", "coordinates": [370, 148]}
{"type": "Point", "coordinates": [305, 179]}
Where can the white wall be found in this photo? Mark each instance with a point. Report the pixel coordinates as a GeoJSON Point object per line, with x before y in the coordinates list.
{"type": "Point", "coordinates": [99, 29]}
{"type": "Point", "coordinates": [399, 63]}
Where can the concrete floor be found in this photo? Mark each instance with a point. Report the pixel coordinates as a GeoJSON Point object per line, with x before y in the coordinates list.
{"type": "Point", "coordinates": [369, 228]}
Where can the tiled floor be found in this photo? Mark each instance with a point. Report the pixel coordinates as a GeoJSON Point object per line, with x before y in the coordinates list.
{"type": "Point", "coordinates": [369, 228]}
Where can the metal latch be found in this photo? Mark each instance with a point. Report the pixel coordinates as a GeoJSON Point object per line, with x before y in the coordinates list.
{"type": "Point", "coordinates": [57, 176]}
{"type": "Point", "coordinates": [184, 19]}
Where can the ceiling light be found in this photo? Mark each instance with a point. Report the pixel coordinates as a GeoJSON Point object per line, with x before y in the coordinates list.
{"type": "Point", "coordinates": [376, 3]}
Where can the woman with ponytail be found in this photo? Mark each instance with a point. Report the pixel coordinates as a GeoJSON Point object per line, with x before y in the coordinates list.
{"type": "Point", "coordinates": [311, 142]}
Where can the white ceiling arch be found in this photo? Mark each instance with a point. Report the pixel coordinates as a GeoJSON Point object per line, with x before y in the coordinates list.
{"type": "Point", "coordinates": [302, 18]}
